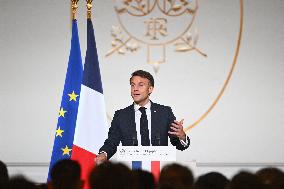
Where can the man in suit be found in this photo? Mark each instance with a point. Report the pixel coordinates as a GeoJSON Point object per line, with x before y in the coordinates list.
{"type": "Point", "coordinates": [143, 122]}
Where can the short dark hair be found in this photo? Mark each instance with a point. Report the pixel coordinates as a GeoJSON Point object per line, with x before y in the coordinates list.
{"type": "Point", "coordinates": [20, 182]}
{"type": "Point", "coordinates": [211, 180]}
{"type": "Point", "coordinates": [245, 180]}
{"type": "Point", "coordinates": [111, 175]}
{"type": "Point", "coordinates": [4, 176]}
{"type": "Point", "coordinates": [65, 174]}
{"type": "Point", "coordinates": [143, 74]}
{"type": "Point", "coordinates": [176, 174]}
{"type": "Point", "coordinates": [145, 179]}
{"type": "Point", "coordinates": [271, 177]}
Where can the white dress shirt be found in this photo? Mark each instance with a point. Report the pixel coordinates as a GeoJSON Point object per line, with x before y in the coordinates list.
{"type": "Point", "coordinates": [137, 120]}
{"type": "Point", "coordinates": [148, 113]}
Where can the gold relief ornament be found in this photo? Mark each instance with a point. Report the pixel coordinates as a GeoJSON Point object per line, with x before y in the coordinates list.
{"type": "Point", "coordinates": [74, 7]}
{"type": "Point", "coordinates": [155, 24]}
{"type": "Point", "coordinates": [89, 8]}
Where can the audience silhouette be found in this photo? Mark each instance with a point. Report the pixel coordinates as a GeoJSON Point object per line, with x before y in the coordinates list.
{"type": "Point", "coordinates": [144, 179]}
{"type": "Point", "coordinates": [271, 178]}
{"type": "Point", "coordinates": [4, 177]}
{"type": "Point", "coordinates": [245, 180]}
{"type": "Point", "coordinates": [111, 175]}
{"type": "Point", "coordinates": [177, 176]}
{"type": "Point", "coordinates": [212, 180]}
{"type": "Point", "coordinates": [66, 174]}
{"type": "Point", "coordinates": [20, 182]}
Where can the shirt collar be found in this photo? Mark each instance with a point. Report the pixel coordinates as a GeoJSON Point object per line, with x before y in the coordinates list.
{"type": "Point", "coordinates": [137, 106]}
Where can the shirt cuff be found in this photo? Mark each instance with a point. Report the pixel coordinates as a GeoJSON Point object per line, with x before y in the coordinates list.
{"type": "Point", "coordinates": [184, 143]}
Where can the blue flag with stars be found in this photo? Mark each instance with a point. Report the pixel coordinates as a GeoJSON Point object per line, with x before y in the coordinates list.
{"type": "Point", "coordinates": [64, 134]}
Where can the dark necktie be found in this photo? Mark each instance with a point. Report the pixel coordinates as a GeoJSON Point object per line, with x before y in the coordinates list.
{"type": "Point", "coordinates": [144, 131]}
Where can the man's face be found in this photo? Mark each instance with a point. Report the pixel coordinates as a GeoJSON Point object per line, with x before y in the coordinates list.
{"type": "Point", "coordinates": [140, 90]}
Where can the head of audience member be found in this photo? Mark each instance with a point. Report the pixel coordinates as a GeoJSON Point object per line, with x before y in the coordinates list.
{"type": "Point", "coordinates": [4, 177]}
{"type": "Point", "coordinates": [66, 174]}
{"type": "Point", "coordinates": [175, 174]}
{"type": "Point", "coordinates": [212, 180]}
{"type": "Point", "coordinates": [144, 179]}
{"type": "Point", "coordinates": [20, 182]}
{"type": "Point", "coordinates": [111, 176]}
{"type": "Point", "coordinates": [245, 180]}
{"type": "Point", "coordinates": [272, 178]}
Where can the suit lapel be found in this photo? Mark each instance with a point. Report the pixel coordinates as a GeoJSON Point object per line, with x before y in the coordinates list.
{"type": "Point", "coordinates": [155, 131]}
{"type": "Point", "coordinates": [132, 125]}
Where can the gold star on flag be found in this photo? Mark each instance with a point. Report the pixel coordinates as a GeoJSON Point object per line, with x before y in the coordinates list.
{"type": "Point", "coordinates": [73, 96]}
{"type": "Point", "coordinates": [66, 150]}
{"type": "Point", "coordinates": [59, 132]}
{"type": "Point", "coordinates": [62, 112]}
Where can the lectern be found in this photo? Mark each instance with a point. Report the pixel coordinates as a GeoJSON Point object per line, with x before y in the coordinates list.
{"type": "Point", "coordinates": [146, 157]}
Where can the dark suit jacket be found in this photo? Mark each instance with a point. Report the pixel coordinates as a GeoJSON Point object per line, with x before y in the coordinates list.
{"type": "Point", "coordinates": [123, 129]}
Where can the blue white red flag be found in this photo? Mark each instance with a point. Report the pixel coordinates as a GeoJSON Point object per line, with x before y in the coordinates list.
{"type": "Point", "coordinates": [91, 126]}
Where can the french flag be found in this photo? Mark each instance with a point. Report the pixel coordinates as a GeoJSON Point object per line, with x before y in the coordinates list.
{"type": "Point", "coordinates": [91, 126]}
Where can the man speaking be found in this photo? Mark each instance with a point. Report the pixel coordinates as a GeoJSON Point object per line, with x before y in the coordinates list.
{"type": "Point", "coordinates": [144, 122]}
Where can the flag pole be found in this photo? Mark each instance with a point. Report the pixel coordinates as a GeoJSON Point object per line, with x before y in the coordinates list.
{"type": "Point", "coordinates": [91, 124]}
{"type": "Point", "coordinates": [89, 7]}
{"type": "Point", "coordinates": [66, 124]}
{"type": "Point", "coordinates": [74, 6]}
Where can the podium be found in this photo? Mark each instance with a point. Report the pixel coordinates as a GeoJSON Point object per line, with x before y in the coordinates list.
{"type": "Point", "coordinates": [146, 153]}
{"type": "Point", "coordinates": [147, 158]}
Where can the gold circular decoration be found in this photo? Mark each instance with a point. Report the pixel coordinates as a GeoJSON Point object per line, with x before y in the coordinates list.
{"type": "Point", "coordinates": [145, 12]}
{"type": "Point", "coordinates": [215, 101]}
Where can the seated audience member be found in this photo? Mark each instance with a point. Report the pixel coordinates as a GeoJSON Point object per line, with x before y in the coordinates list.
{"type": "Point", "coordinates": [212, 180]}
{"type": "Point", "coordinates": [66, 174]}
{"type": "Point", "coordinates": [111, 176]}
{"type": "Point", "coordinates": [176, 175]}
{"type": "Point", "coordinates": [20, 182]}
{"type": "Point", "coordinates": [245, 180]}
{"type": "Point", "coordinates": [272, 178]}
{"type": "Point", "coordinates": [144, 179]}
{"type": "Point", "coordinates": [4, 177]}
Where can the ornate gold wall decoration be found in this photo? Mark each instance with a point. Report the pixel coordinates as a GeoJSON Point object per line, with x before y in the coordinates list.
{"type": "Point", "coordinates": [74, 7]}
{"type": "Point", "coordinates": [229, 76]}
{"type": "Point", "coordinates": [154, 24]}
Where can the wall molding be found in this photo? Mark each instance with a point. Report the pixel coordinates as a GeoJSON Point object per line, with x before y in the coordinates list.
{"type": "Point", "coordinates": [27, 164]}
{"type": "Point", "coordinates": [242, 164]}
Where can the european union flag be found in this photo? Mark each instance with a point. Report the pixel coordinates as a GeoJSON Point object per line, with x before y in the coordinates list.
{"type": "Point", "coordinates": [64, 135]}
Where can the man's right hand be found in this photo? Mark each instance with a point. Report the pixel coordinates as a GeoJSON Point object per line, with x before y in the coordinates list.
{"type": "Point", "coordinates": [101, 158]}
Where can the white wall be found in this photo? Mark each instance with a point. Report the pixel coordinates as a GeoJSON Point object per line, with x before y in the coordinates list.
{"type": "Point", "coordinates": [244, 130]}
